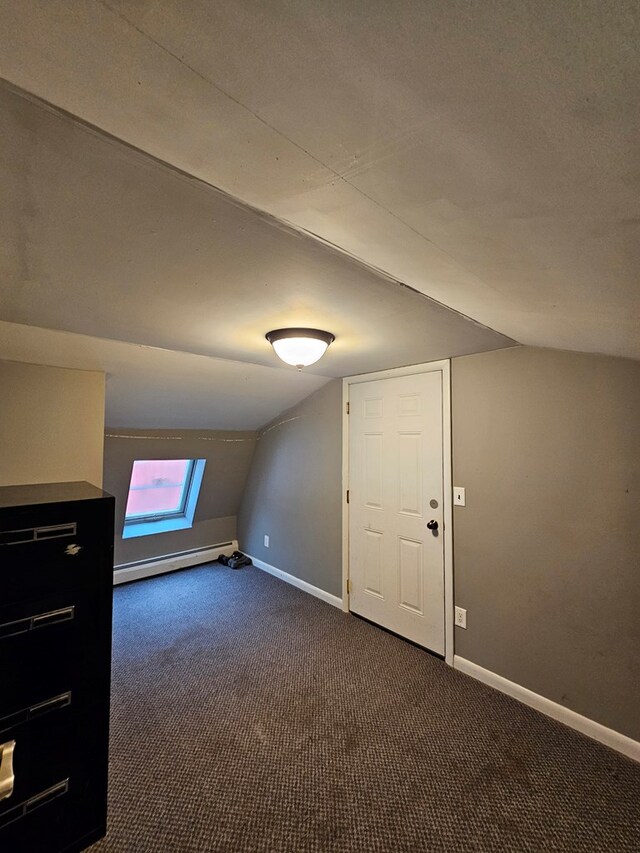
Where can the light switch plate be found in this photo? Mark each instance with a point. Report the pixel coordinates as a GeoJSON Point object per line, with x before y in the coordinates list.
{"type": "Point", "coordinates": [459, 496]}
{"type": "Point", "coordinates": [266, 540]}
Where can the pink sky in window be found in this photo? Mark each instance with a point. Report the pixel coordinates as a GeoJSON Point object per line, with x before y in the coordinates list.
{"type": "Point", "coordinates": [156, 485]}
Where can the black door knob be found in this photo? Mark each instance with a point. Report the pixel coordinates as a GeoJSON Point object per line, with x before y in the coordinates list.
{"type": "Point", "coordinates": [432, 525]}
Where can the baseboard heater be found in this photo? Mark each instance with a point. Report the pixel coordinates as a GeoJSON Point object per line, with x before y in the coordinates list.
{"type": "Point", "coordinates": [127, 572]}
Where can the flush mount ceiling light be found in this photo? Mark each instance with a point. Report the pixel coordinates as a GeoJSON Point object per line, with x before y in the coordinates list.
{"type": "Point", "coordinates": [299, 347]}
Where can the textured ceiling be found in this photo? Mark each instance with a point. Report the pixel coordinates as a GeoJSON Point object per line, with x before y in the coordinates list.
{"type": "Point", "coordinates": [149, 387]}
{"type": "Point", "coordinates": [103, 242]}
{"type": "Point", "coordinates": [485, 154]}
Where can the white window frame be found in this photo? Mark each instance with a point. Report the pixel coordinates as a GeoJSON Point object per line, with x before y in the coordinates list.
{"type": "Point", "coordinates": [169, 521]}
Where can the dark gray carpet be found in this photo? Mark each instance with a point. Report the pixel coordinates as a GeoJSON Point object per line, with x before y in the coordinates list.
{"type": "Point", "coordinates": [249, 716]}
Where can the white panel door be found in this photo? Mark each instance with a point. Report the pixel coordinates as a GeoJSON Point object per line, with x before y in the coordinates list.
{"type": "Point", "coordinates": [396, 562]}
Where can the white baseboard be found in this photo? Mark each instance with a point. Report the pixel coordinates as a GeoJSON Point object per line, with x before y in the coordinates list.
{"type": "Point", "coordinates": [609, 737]}
{"type": "Point", "coordinates": [294, 581]}
{"type": "Point", "coordinates": [147, 568]}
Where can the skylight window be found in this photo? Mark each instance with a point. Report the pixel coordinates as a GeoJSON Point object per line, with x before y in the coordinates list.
{"type": "Point", "coordinates": [163, 494]}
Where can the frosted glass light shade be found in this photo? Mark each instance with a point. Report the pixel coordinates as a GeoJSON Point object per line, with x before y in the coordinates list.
{"type": "Point", "coordinates": [299, 347]}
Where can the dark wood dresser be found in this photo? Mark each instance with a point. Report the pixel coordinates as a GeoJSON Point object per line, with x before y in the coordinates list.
{"type": "Point", "coordinates": [56, 586]}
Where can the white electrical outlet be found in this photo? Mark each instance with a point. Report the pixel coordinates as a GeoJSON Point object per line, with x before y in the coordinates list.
{"type": "Point", "coordinates": [266, 541]}
{"type": "Point", "coordinates": [461, 617]}
{"type": "Point", "coordinates": [459, 496]}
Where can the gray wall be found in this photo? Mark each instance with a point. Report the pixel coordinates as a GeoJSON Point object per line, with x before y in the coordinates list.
{"type": "Point", "coordinates": [228, 456]}
{"type": "Point", "coordinates": [51, 424]}
{"type": "Point", "coordinates": [547, 549]}
{"type": "Point", "coordinates": [294, 492]}
{"type": "Point", "coordinates": [547, 444]}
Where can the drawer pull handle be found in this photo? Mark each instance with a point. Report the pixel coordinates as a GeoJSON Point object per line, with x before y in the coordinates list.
{"type": "Point", "coordinates": [20, 626]}
{"type": "Point", "coordinates": [6, 769]}
{"type": "Point", "coordinates": [36, 534]}
{"type": "Point", "coordinates": [51, 618]}
{"type": "Point", "coordinates": [29, 805]}
{"type": "Point", "coordinates": [54, 704]}
{"type": "Point", "coordinates": [45, 796]}
{"type": "Point", "coordinates": [55, 531]}
{"type": "Point", "coordinates": [17, 718]}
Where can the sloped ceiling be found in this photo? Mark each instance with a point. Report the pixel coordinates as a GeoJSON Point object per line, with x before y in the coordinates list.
{"type": "Point", "coordinates": [153, 388]}
{"type": "Point", "coordinates": [484, 154]}
{"type": "Point", "coordinates": [116, 262]}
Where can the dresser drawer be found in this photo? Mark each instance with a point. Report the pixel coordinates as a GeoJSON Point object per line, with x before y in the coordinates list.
{"type": "Point", "coordinates": [51, 554]}
{"type": "Point", "coordinates": [50, 646]}
{"type": "Point", "coordinates": [41, 752]}
{"type": "Point", "coordinates": [59, 768]}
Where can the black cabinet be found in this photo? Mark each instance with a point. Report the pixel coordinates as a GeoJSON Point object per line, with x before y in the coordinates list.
{"type": "Point", "coordinates": [56, 586]}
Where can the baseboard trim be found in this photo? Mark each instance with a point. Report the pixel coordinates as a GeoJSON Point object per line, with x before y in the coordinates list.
{"type": "Point", "coordinates": [161, 565]}
{"type": "Point", "coordinates": [621, 743]}
{"type": "Point", "coordinates": [297, 582]}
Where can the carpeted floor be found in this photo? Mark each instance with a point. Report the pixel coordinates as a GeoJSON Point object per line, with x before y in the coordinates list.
{"type": "Point", "coordinates": [249, 716]}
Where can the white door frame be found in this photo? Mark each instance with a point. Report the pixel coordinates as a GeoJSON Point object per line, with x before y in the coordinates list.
{"type": "Point", "coordinates": [444, 367]}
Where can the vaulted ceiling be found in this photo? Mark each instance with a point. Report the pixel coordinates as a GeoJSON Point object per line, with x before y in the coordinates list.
{"type": "Point", "coordinates": [484, 154]}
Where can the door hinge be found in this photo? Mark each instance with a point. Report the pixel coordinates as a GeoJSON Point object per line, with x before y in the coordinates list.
{"type": "Point", "coordinates": [347, 495]}
{"type": "Point", "coordinates": [349, 586]}
{"type": "Point", "coordinates": [347, 407]}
